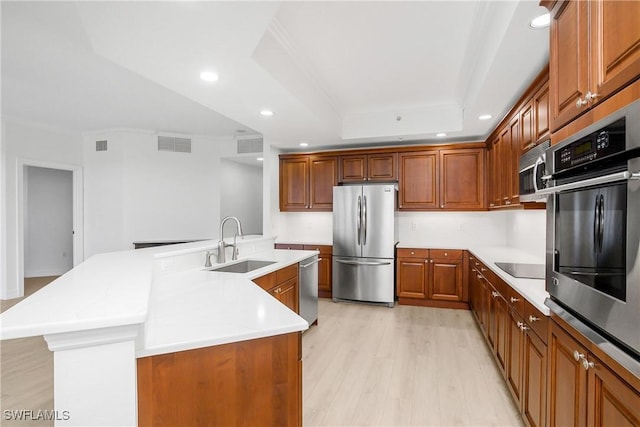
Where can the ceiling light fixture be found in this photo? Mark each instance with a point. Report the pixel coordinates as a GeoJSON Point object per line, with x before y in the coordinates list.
{"type": "Point", "coordinates": [209, 76]}
{"type": "Point", "coordinates": [266, 113]}
{"type": "Point", "coordinates": [541, 21]}
{"type": "Point", "coordinates": [260, 159]}
{"type": "Point", "coordinates": [485, 117]}
{"type": "Point", "coordinates": [304, 144]}
{"type": "Point", "coordinates": [441, 134]}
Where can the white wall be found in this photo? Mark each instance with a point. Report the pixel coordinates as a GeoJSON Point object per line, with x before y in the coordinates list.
{"type": "Point", "coordinates": [48, 221]}
{"type": "Point", "coordinates": [135, 193]}
{"type": "Point", "coordinates": [526, 230]}
{"type": "Point", "coordinates": [241, 193]}
{"type": "Point", "coordinates": [27, 141]}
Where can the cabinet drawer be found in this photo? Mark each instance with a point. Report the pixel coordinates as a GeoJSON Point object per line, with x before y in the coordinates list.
{"type": "Point", "coordinates": [289, 246]}
{"type": "Point", "coordinates": [267, 281]}
{"type": "Point", "coordinates": [413, 253]}
{"type": "Point", "coordinates": [286, 273]}
{"type": "Point", "coordinates": [515, 300]}
{"type": "Point", "coordinates": [453, 254]}
{"type": "Point", "coordinates": [538, 321]}
{"type": "Point", "coordinates": [323, 249]}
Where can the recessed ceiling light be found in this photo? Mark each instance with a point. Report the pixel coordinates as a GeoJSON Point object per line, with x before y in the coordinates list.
{"type": "Point", "coordinates": [304, 144]}
{"type": "Point", "coordinates": [267, 113]}
{"type": "Point", "coordinates": [485, 117]}
{"type": "Point", "coordinates": [209, 76]}
{"type": "Point", "coordinates": [441, 134]}
{"type": "Point", "coordinates": [260, 159]}
{"type": "Point", "coordinates": [541, 21]}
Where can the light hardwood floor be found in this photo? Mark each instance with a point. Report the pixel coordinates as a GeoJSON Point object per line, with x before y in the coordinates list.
{"type": "Point", "coordinates": [406, 366]}
{"type": "Point", "coordinates": [363, 365]}
{"type": "Point", "coordinates": [26, 369]}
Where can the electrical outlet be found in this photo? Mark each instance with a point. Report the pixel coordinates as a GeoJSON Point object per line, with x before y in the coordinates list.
{"type": "Point", "coordinates": [413, 226]}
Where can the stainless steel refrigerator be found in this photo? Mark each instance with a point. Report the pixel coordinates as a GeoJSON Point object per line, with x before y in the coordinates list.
{"type": "Point", "coordinates": [365, 233]}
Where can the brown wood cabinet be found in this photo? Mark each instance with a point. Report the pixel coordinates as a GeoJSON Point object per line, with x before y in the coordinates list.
{"type": "Point", "coordinates": [306, 182]}
{"type": "Point", "coordinates": [516, 332]}
{"type": "Point", "coordinates": [324, 264]}
{"type": "Point", "coordinates": [450, 179]}
{"type": "Point", "coordinates": [369, 167]}
{"type": "Point", "coordinates": [431, 277]}
{"type": "Point", "coordinates": [209, 386]}
{"type": "Point", "coordinates": [583, 391]}
{"type": "Point", "coordinates": [283, 285]}
{"type": "Point", "coordinates": [594, 52]}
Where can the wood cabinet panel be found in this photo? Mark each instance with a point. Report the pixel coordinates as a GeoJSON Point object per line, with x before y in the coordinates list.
{"type": "Point", "coordinates": [294, 184]}
{"type": "Point", "coordinates": [527, 126]}
{"type": "Point", "coordinates": [353, 168]}
{"type": "Point", "coordinates": [289, 246]}
{"type": "Point", "coordinates": [283, 285]}
{"type": "Point", "coordinates": [446, 282]}
{"type": "Point", "coordinates": [412, 277]}
{"type": "Point", "coordinates": [515, 350]}
{"type": "Point", "coordinates": [419, 181]}
{"type": "Point", "coordinates": [413, 253]}
{"type": "Point", "coordinates": [287, 293]}
{"type": "Point", "coordinates": [369, 167]}
{"type": "Point", "coordinates": [323, 176]}
{"type": "Point", "coordinates": [541, 113]}
{"type": "Point", "coordinates": [208, 386]}
{"type": "Point", "coordinates": [462, 181]}
{"type": "Point", "coordinates": [534, 396]}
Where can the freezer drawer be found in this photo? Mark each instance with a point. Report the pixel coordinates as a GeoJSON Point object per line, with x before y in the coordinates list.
{"type": "Point", "coordinates": [364, 279]}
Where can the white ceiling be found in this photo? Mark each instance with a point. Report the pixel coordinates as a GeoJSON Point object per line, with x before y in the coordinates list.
{"type": "Point", "coordinates": [335, 73]}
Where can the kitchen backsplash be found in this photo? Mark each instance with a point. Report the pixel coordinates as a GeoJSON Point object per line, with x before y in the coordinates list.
{"type": "Point", "coordinates": [522, 229]}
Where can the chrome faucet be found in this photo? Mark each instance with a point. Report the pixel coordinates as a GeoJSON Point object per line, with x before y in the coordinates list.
{"type": "Point", "coordinates": [221, 244]}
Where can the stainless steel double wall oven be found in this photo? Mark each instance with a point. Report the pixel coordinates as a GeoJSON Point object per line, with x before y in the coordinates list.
{"type": "Point", "coordinates": [593, 226]}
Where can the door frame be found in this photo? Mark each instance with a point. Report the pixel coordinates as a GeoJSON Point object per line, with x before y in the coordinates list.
{"type": "Point", "coordinates": [78, 212]}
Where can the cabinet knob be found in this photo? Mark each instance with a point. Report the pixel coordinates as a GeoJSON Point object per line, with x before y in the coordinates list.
{"type": "Point", "coordinates": [586, 364]}
{"type": "Point", "coordinates": [514, 299]}
{"type": "Point", "coordinates": [495, 294]}
{"type": "Point", "coordinates": [413, 253]}
{"type": "Point", "coordinates": [589, 97]}
{"type": "Point", "coordinates": [483, 269]}
{"type": "Point", "coordinates": [446, 254]}
{"type": "Point", "coordinates": [479, 276]}
{"type": "Point", "coordinates": [577, 355]}
{"type": "Point", "coordinates": [442, 206]}
{"type": "Point", "coordinates": [581, 103]}
{"type": "Point", "coordinates": [477, 263]}
{"type": "Point", "coordinates": [533, 318]}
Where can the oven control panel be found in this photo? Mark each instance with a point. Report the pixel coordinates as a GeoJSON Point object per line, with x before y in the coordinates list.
{"type": "Point", "coordinates": [595, 146]}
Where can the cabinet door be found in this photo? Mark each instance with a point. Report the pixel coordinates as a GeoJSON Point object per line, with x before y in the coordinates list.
{"type": "Point", "coordinates": [419, 184]}
{"type": "Point", "coordinates": [567, 380]}
{"type": "Point", "coordinates": [615, 45]}
{"type": "Point", "coordinates": [382, 167]}
{"type": "Point", "coordinates": [534, 386]}
{"type": "Point", "coordinates": [462, 183]}
{"type": "Point", "coordinates": [287, 293]}
{"type": "Point", "coordinates": [612, 402]}
{"type": "Point", "coordinates": [541, 113]}
{"type": "Point", "coordinates": [568, 61]}
{"type": "Point", "coordinates": [353, 168]}
{"type": "Point", "coordinates": [527, 127]}
{"type": "Point", "coordinates": [294, 184]}
{"type": "Point", "coordinates": [515, 348]}
{"type": "Point", "coordinates": [412, 276]}
{"type": "Point", "coordinates": [491, 181]}
{"type": "Point", "coordinates": [323, 176]}
{"type": "Point", "coordinates": [506, 165]}
{"type": "Point", "coordinates": [501, 318]}
{"type": "Point", "coordinates": [516, 150]}
{"type": "Point", "coordinates": [446, 280]}
{"type": "Point", "coordinates": [496, 173]}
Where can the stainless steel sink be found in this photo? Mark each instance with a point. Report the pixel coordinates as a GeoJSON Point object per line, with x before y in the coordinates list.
{"type": "Point", "coordinates": [242, 266]}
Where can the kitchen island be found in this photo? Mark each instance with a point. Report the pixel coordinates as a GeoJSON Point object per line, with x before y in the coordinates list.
{"type": "Point", "coordinates": [114, 308]}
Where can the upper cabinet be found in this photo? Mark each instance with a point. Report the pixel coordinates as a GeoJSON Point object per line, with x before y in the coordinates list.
{"type": "Point", "coordinates": [369, 167]}
{"type": "Point", "coordinates": [306, 182]}
{"type": "Point", "coordinates": [594, 52]}
{"type": "Point", "coordinates": [451, 179]}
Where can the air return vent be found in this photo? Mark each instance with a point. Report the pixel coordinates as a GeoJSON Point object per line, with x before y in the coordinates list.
{"type": "Point", "coordinates": [171, 143]}
{"type": "Point", "coordinates": [101, 145]}
{"type": "Point", "coordinates": [249, 144]}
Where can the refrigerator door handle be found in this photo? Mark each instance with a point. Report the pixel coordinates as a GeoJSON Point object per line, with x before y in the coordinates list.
{"type": "Point", "coordinates": [359, 218]}
{"type": "Point", "coordinates": [364, 221]}
{"type": "Point", "coordinates": [361, 262]}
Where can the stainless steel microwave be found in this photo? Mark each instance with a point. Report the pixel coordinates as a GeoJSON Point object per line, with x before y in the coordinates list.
{"type": "Point", "coordinates": [532, 170]}
{"type": "Point", "coordinates": [593, 226]}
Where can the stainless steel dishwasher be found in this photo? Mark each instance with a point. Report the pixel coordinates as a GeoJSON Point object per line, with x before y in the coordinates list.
{"type": "Point", "coordinates": [308, 275]}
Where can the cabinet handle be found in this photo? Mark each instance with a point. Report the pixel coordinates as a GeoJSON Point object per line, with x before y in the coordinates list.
{"type": "Point", "coordinates": [477, 263]}
{"type": "Point", "coordinates": [508, 202]}
{"type": "Point", "coordinates": [581, 103]}
{"type": "Point", "coordinates": [413, 253]}
{"type": "Point", "coordinates": [586, 364]}
{"type": "Point", "coordinates": [442, 206]}
{"type": "Point", "coordinates": [495, 294]}
{"type": "Point", "coordinates": [513, 299]}
{"type": "Point", "coordinates": [483, 269]}
{"type": "Point", "coordinates": [519, 324]}
{"type": "Point", "coordinates": [577, 356]}
{"type": "Point", "coordinates": [446, 254]}
{"type": "Point", "coordinates": [431, 261]}
{"type": "Point", "coordinates": [590, 97]}
{"type": "Point", "coordinates": [533, 318]}
{"type": "Point", "coordinates": [479, 277]}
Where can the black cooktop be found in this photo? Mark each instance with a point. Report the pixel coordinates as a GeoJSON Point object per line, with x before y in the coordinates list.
{"type": "Point", "coordinates": [523, 271]}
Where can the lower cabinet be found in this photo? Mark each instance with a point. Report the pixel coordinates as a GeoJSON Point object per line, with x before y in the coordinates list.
{"type": "Point", "coordinates": [516, 332]}
{"type": "Point", "coordinates": [583, 391]}
{"type": "Point", "coordinates": [324, 265]}
{"type": "Point", "coordinates": [431, 277]}
{"type": "Point", "coordinates": [210, 386]}
{"type": "Point", "coordinates": [283, 285]}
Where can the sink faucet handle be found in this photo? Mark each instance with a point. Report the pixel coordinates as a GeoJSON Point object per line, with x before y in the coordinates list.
{"type": "Point", "coordinates": [207, 258]}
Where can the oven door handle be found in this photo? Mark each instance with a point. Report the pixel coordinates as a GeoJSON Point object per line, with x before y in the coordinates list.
{"type": "Point", "coordinates": [619, 176]}
{"type": "Point", "coordinates": [601, 224]}
{"type": "Point", "coordinates": [596, 224]}
{"type": "Point", "coordinates": [539, 161]}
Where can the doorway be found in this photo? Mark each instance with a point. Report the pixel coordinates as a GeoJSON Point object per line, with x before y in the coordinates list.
{"type": "Point", "coordinates": [241, 192]}
{"type": "Point", "coordinates": [50, 220]}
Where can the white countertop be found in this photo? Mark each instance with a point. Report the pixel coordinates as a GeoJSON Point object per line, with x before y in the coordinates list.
{"type": "Point", "coordinates": [180, 310]}
{"type": "Point", "coordinates": [533, 290]}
